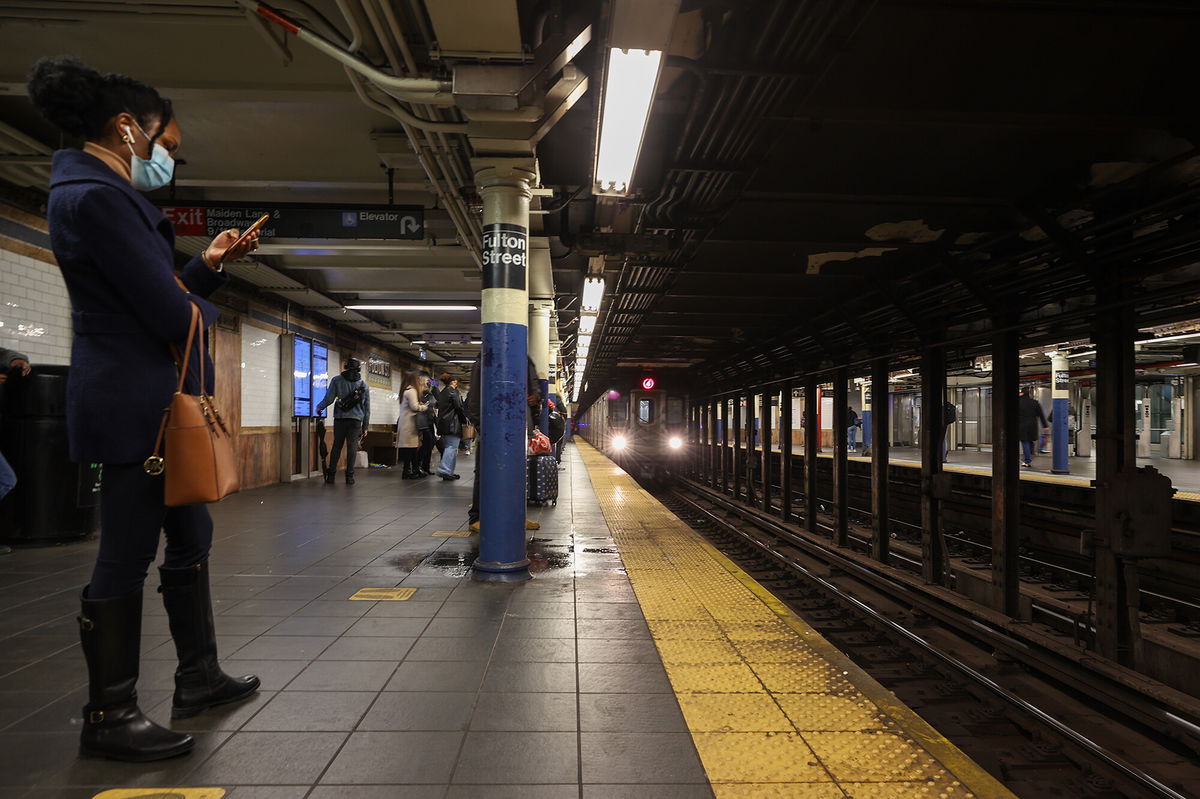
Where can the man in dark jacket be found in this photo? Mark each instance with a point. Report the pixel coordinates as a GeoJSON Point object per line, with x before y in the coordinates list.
{"type": "Point", "coordinates": [9, 360]}
{"type": "Point", "coordinates": [1029, 413]}
{"type": "Point", "coordinates": [351, 400]}
{"type": "Point", "coordinates": [452, 415]}
{"type": "Point", "coordinates": [426, 424]}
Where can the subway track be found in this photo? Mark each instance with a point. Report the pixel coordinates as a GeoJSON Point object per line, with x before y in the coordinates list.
{"type": "Point", "coordinates": [1045, 727]}
{"type": "Point", "coordinates": [1056, 522]}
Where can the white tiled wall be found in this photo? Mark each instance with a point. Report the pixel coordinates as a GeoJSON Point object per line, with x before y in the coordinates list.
{"type": "Point", "coordinates": [260, 377]}
{"type": "Point", "coordinates": [385, 403]}
{"type": "Point", "coordinates": [35, 311]}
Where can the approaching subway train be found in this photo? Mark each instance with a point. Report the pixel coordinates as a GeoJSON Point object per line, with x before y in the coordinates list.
{"type": "Point", "coordinates": [641, 427]}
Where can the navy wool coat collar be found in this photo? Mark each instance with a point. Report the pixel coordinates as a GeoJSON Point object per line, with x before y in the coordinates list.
{"type": "Point", "coordinates": [116, 251]}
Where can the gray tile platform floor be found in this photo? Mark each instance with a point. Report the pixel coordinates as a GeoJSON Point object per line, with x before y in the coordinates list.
{"type": "Point", "coordinates": [547, 689]}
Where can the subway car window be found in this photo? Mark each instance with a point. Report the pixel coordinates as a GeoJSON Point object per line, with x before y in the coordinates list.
{"type": "Point", "coordinates": [618, 411]}
{"type": "Point", "coordinates": [645, 411]}
{"type": "Point", "coordinates": [675, 410]}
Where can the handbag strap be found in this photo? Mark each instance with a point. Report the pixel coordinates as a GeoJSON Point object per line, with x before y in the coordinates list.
{"type": "Point", "coordinates": [154, 464]}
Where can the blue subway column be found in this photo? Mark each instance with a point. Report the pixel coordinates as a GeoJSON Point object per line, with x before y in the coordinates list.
{"type": "Point", "coordinates": [505, 189]}
{"type": "Point", "coordinates": [1059, 412]}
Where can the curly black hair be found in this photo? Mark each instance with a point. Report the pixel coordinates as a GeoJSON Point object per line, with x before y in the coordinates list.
{"type": "Point", "coordinates": [80, 101]}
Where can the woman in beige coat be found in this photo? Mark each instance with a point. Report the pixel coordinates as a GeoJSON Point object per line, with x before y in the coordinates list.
{"type": "Point", "coordinates": [408, 438]}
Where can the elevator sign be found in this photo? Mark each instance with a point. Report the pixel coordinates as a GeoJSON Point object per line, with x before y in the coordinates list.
{"type": "Point", "coordinates": [301, 220]}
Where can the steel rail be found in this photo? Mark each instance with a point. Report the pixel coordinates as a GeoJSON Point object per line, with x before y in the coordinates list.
{"type": "Point", "coordinates": [1080, 740]}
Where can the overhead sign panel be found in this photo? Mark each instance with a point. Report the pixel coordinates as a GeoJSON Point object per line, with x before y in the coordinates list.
{"type": "Point", "coordinates": [301, 220]}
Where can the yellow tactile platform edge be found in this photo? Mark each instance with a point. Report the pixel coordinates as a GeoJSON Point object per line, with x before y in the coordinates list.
{"type": "Point", "coordinates": [774, 709]}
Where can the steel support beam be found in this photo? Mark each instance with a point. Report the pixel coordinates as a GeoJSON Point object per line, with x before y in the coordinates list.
{"type": "Point", "coordinates": [1006, 477]}
{"type": "Point", "coordinates": [1118, 633]}
{"type": "Point", "coordinates": [764, 425]}
{"type": "Point", "coordinates": [750, 456]}
{"type": "Point", "coordinates": [841, 515]}
{"type": "Point", "coordinates": [785, 452]}
{"type": "Point", "coordinates": [812, 434]}
{"type": "Point", "coordinates": [880, 427]}
{"type": "Point", "coordinates": [714, 453]}
{"type": "Point", "coordinates": [735, 455]}
{"type": "Point", "coordinates": [721, 431]}
{"type": "Point", "coordinates": [933, 484]}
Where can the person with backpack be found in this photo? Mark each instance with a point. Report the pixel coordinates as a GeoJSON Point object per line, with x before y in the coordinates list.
{"type": "Point", "coordinates": [853, 423]}
{"type": "Point", "coordinates": [351, 402]}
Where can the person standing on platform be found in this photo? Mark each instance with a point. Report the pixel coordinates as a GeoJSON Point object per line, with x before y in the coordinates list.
{"type": "Point", "coordinates": [116, 251]}
{"type": "Point", "coordinates": [949, 417]}
{"type": "Point", "coordinates": [451, 418]}
{"type": "Point", "coordinates": [408, 438]}
{"type": "Point", "coordinates": [426, 423]}
{"type": "Point", "coordinates": [852, 431]}
{"type": "Point", "coordinates": [14, 361]}
{"type": "Point", "coordinates": [1029, 414]}
{"type": "Point", "coordinates": [351, 401]}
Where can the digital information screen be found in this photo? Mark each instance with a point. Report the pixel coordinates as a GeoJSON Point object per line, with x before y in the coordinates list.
{"type": "Point", "coordinates": [302, 383]}
{"type": "Point", "coordinates": [310, 376]}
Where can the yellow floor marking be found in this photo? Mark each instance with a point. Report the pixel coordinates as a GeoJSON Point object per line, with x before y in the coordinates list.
{"type": "Point", "coordinates": [774, 709]}
{"type": "Point", "coordinates": [161, 793]}
{"type": "Point", "coordinates": [383, 594]}
{"type": "Point", "coordinates": [453, 534]}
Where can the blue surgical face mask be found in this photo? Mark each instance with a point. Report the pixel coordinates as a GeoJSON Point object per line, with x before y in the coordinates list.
{"type": "Point", "coordinates": [152, 173]}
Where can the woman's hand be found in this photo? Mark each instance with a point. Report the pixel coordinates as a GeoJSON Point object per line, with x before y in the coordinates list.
{"type": "Point", "coordinates": [220, 250]}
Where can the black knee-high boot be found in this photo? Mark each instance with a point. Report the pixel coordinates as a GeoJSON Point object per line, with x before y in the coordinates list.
{"type": "Point", "coordinates": [199, 681]}
{"type": "Point", "coordinates": [113, 725]}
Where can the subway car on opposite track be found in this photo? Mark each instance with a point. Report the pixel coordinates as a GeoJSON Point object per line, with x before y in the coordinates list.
{"type": "Point", "coordinates": [641, 427]}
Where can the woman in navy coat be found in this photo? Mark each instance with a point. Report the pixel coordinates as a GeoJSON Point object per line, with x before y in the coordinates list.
{"type": "Point", "coordinates": [116, 252]}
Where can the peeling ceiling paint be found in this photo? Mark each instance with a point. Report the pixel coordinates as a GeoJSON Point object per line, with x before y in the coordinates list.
{"type": "Point", "coordinates": [914, 230]}
{"type": "Point", "coordinates": [818, 260]}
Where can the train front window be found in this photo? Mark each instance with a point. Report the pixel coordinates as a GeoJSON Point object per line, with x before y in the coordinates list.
{"type": "Point", "coordinates": [645, 411]}
{"type": "Point", "coordinates": [674, 410]}
{"type": "Point", "coordinates": [618, 411]}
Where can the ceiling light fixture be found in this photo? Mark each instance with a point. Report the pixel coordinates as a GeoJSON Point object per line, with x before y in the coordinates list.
{"type": "Point", "coordinates": [593, 294]}
{"type": "Point", "coordinates": [374, 307]}
{"type": "Point", "coordinates": [628, 94]}
{"type": "Point", "coordinates": [587, 323]}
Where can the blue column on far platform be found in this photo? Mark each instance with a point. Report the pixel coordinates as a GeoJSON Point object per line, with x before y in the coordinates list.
{"type": "Point", "coordinates": [505, 359]}
{"type": "Point", "coordinates": [866, 417]}
{"type": "Point", "coordinates": [1060, 410]}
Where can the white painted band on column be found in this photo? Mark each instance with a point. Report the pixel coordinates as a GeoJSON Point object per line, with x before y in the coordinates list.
{"type": "Point", "coordinates": [505, 306]}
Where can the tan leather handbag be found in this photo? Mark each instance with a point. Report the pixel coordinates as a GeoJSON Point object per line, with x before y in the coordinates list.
{"type": "Point", "coordinates": [199, 465]}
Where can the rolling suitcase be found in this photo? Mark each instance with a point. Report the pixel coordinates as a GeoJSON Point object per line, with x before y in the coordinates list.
{"type": "Point", "coordinates": [543, 479]}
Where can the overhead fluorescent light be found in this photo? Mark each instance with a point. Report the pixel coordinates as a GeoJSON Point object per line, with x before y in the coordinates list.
{"type": "Point", "coordinates": [476, 341]}
{"type": "Point", "coordinates": [461, 361]}
{"type": "Point", "coordinates": [628, 94]}
{"type": "Point", "coordinates": [375, 307]}
{"type": "Point", "coordinates": [593, 294]}
{"type": "Point", "coordinates": [587, 323]}
{"type": "Point", "coordinates": [1081, 354]}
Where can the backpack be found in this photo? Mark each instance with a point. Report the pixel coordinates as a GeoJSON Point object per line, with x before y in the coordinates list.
{"type": "Point", "coordinates": [351, 400]}
{"type": "Point", "coordinates": [949, 413]}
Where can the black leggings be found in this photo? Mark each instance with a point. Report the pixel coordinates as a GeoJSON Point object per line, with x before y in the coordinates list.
{"type": "Point", "coordinates": [408, 458]}
{"type": "Point", "coordinates": [132, 515]}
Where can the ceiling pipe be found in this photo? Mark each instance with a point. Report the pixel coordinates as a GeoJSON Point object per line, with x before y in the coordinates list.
{"type": "Point", "coordinates": [400, 87]}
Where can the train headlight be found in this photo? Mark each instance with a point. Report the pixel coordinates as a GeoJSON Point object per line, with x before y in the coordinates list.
{"type": "Point", "coordinates": [619, 442]}
{"type": "Point", "coordinates": [675, 443]}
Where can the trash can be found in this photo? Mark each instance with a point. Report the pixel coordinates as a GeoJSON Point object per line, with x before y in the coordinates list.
{"type": "Point", "coordinates": [55, 499]}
